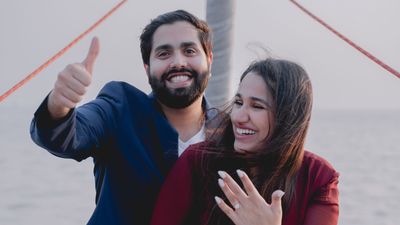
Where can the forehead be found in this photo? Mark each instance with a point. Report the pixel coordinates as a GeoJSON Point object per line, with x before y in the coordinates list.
{"type": "Point", "coordinates": [253, 85]}
{"type": "Point", "coordinates": [174, 34]}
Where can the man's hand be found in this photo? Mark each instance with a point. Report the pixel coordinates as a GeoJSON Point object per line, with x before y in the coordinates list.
{"type": "Point", "coordinates": [72, 83]}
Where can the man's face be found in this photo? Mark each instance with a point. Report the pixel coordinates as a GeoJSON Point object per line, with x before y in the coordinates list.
{"type": "Point", "coordinates": [179, 68]}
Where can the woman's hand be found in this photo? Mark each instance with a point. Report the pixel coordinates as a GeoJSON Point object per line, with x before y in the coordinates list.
{"type": "Point", "coordinates": [249, 207]}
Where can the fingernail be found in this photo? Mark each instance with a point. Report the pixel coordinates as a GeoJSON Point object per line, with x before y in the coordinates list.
{"type": "Point", "coordinates": [218, 200]}
{"type": "Point", "coordinates": [240, 173]}
{"type": "Point", "coordinates": [222, 174]}
{"type": "Point", "coordinates": [221, 183]}
{"type": "Point", "coordinates": [280, 193]}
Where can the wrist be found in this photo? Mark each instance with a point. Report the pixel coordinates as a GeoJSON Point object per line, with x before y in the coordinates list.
{"type": "Point", "coordinates": [56, 111]}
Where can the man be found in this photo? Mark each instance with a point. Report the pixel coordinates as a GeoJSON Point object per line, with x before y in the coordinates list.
{"type": "Point", "coordinates": [133, 138]}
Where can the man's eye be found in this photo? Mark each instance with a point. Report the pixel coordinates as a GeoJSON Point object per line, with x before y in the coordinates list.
{"type": "Point", "coordinates": [162, 54]}
{"type": "Point", "coordinates": [190, 51]}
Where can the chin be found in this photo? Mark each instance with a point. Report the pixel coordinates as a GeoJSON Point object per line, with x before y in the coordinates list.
{"type": "Point", "coordinates": [241, 149]}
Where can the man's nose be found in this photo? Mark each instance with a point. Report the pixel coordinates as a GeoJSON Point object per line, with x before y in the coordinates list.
{"type": "Point", "coordinates": [178, 61]}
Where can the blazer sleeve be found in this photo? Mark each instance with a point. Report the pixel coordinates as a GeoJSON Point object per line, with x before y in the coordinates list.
{"type": "Point", "coordinates": [81, 132]}
{"type": "Point", "coordinates": [176, 196]}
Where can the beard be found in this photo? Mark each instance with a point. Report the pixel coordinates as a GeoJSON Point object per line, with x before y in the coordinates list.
{"type": "Point", "coordinates": [179, 98]}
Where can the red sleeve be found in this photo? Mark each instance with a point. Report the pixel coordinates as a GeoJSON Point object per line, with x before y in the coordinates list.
{"type": "Point", "coordinates": [176, 195]}
{"type": "Point", "coordinates": [324, 207]}
{"type": "Point", "coordinates": [323, 192]}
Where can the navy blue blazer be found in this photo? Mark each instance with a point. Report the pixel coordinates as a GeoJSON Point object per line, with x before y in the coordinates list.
{"type": "Point", "coordinates": [132, 144]}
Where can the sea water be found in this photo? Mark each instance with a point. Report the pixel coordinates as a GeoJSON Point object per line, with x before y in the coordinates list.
{"type": "Point", "coordinates": [364, 146]}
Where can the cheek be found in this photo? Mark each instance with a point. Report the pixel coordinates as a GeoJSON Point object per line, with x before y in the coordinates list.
{"type": "Point", "coordinates": [199, 63]}
{"type": "Point", "coordinates": [158, 67]}
{"type": "Point", "coordinates": [233, 114]}
{"type": "Point", "coordinates": [265, 125]}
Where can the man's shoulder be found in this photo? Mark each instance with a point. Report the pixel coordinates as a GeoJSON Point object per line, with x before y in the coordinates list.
{"type": "Point", "coordinates": [120, 87]}
{"type": "Point", "coordinates": [120, 92]}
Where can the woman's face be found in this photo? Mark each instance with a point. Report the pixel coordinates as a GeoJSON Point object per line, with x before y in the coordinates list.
{"type": "Point", "coordinates": [251, 116]}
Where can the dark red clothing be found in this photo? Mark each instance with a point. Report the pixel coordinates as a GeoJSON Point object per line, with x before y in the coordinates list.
{"type": "Point", "coordinates": [316, 197]}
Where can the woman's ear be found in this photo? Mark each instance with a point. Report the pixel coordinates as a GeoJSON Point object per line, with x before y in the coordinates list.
{"type": "Point", "coordinates": [210, 59]}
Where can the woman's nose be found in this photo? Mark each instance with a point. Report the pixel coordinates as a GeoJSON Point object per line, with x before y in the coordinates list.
{"type": "Point", "coordinates": [240, 115]}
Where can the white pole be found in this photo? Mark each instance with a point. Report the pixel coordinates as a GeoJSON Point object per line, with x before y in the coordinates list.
{"type": "Point", "coordinates": [220, 16]}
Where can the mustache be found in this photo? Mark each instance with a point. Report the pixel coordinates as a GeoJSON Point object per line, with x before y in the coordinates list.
{"type": "Point", "coordinates": [174, 70]}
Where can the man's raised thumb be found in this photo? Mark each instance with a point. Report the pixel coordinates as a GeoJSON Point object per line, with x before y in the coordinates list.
{"type": "Point", "coordinates": [92, 55]}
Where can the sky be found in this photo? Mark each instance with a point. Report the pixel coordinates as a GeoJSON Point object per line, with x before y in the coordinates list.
{"type": "Point", "coordinates": [343, 78]}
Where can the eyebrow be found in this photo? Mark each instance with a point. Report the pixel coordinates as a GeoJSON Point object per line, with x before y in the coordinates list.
{"type": "Point", "coordinates": [168, 46]}
{"type": "Point", "coordinates": [188, 44]}
{"type": "Point", "coordinates": [256, 99]}
{"type": "Point", "coordinates": [163, 47]}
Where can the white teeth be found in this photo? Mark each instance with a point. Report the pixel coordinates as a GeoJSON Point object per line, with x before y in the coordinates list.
{"type": "Point", "coordinates": [245, 131]}
{"type": "Point", "coordinates": [179, 78]}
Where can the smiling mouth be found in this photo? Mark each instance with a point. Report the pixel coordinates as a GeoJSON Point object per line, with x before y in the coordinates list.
{"type": "Point", "coordinates": [178, 78]}
{"type": "Point", "coordinates": [241, 131]}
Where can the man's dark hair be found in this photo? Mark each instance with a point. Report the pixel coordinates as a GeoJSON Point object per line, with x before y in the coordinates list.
{"type": "Point", "coordinates": [146, 38]}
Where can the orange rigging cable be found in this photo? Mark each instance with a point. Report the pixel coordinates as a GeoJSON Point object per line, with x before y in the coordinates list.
{"type": "Point", "coordinates": [344, 38]}
{"type": "Point", "coordinates": [60, 53]}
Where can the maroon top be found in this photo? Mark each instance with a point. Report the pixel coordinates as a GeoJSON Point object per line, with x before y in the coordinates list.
{"type": "Point", "coordinates": [316, 197]}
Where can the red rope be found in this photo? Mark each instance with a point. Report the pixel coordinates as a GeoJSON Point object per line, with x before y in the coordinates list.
{"type": "Point", "coordinates": [60, 53]}
{"type": "Point", "coordinates": [360, 49]}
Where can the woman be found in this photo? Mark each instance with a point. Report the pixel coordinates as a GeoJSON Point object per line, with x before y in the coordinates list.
{"type": "Point", "coordinates": [256, 151]}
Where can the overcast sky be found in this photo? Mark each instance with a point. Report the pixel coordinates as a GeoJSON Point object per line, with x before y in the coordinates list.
{"type": "Point", "coordinates": [32, 31]}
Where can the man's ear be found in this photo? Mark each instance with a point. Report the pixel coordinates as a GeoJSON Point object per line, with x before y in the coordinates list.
{"type": "Point", "coordinates": [147, 69]}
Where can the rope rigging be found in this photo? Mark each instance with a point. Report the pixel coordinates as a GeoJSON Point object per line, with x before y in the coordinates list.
{"type": "Point", "coordinates": [344, 38]}
{"type": "Point", "coordinates": [61, 52]}
{"type": "Point", "coordinates": [116, 7]}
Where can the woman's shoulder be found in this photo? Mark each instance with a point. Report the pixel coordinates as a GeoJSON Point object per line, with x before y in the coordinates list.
{"type": "Point", "coordinates": [195, 151]}
{"type": "Point", "coordinates": [316, 187]}
{"type": "Point", "coordinates": [314, 161]}
{"type": "Point", "coordinates": [195, 154]}
{"type": "Point", "coordinates": [318, 169]}
{"type": "Point", "coordinates": [200, 145]}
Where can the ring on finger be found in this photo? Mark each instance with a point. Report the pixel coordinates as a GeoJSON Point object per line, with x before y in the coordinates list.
{"type": "Point", "coordinates": [236, 206]}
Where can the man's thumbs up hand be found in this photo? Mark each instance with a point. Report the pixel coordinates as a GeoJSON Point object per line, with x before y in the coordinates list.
{"type": "Point", "coordinates": [72, 83]}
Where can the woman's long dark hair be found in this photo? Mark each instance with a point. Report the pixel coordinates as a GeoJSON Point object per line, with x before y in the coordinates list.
{"type": "Point", "coordinates": [275, 165]}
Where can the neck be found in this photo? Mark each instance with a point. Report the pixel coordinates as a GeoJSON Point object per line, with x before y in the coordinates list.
{"type": "Point", "coordinates": [187, 121]}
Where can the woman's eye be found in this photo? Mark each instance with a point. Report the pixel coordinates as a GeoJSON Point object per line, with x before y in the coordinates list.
{"type": "Point", "coordinates": [237, 102]}
{"type": "Point", "coordinates": [259, 106]}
